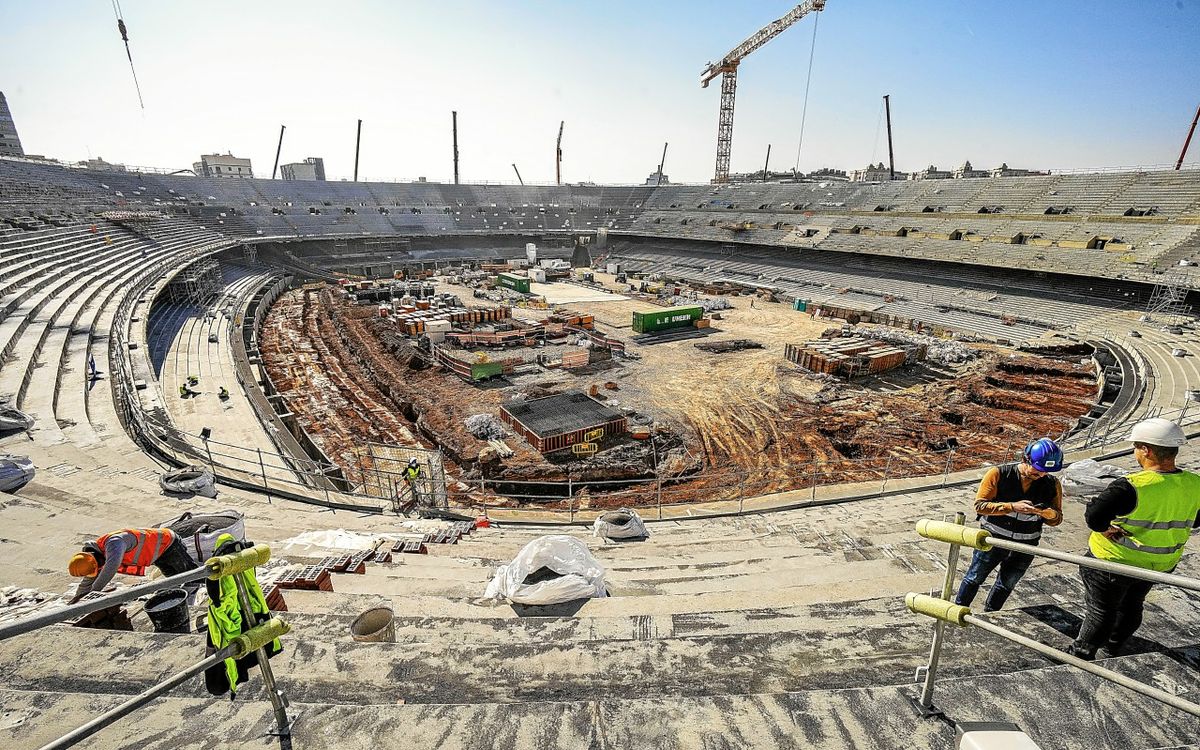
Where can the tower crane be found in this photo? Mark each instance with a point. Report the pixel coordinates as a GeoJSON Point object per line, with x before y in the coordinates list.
{"type": "Point", "coordinates": [558, 156]}
{"type": "Point", "coordinates": [727, 67]}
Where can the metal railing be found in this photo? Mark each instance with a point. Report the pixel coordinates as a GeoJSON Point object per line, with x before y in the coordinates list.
{"type": "Point", "coordinates": [944, 611]}
{"type": "Point", "coordinates": [253, 641]}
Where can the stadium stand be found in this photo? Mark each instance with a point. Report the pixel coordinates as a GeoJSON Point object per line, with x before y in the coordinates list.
{"type": "Point", "coordinates": [779, 629]}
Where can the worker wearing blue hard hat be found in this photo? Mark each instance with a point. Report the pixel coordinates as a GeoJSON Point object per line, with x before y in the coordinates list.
{"type": "Point", "coordinates": [1014, 502]}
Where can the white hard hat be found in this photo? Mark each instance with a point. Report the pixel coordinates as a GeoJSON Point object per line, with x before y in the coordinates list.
{"type": "Point", "coordinates": [1158, 431]}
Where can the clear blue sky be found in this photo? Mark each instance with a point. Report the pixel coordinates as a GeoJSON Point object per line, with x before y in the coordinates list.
{"type": "Point", "coordinates": [1035, 83]}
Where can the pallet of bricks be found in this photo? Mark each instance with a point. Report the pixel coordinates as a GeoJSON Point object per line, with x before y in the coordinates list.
{"type": "Point", "coordinates": [318, 576]}
{"type": "Point", "coordinates": [414, 322]}
{"type": "Point", "coordinates": [847, 357]}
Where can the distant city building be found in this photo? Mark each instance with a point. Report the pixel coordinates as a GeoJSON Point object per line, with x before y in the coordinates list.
{"type": "Point", "coordinates": [312, 168]}
{"type": "Point", "coordinates": [226, 165]}
{"type": "Point", "coordinates": [99, 165]}
{"type": "Point", "coordinates": [656, 179]}
{"type": "Point", "coordinates": [827, 173]}
{"type": "Point", "coordinates": [10, 143]}
{"type": "Point", "coordinates": [873, 173]}
{"type": "Point", "coordinates": [930, 173]}
{"type": "Point", "coordinates": [1006, 171]}
{"type": "Point", "coordinates": [966, 171]}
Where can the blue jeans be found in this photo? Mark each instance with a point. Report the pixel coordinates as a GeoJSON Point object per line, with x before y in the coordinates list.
{"type": "Point", "coordinates": [1012, 566]}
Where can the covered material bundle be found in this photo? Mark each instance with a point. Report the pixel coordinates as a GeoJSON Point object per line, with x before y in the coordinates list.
{"type": "Point", "coordinates": [620, 524]}
{"type": "Point", "coordinates": [549, 570]}
{"type": "Point", "coordinates": [15, 472]}
{"type": "Point", "coordinates": [199, 532]}
{"type": "Point", "coordinates": [190, 480]}
{"type": "Point", "coordinates": [14, 419]}
{"type": "Point", "coordinates": [1088, 477]}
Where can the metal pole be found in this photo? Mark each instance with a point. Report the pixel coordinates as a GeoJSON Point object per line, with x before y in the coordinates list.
{"type": "Point", "coordinates": [1129, 683]}
{"type": "Point", "coordinates": [263, 468]}
{"type": "Point", "coordinates": [887, 103]}
{"type": "Point", "coordinates": [949, 462]}
{"type": "Point", "coordinates": [454, 130]}
{"type": "Point", "coordinates": [141, 699]}
{"type": "Point", "coordinates": [1130, 571]}
{"type": "Point", "coordinates": [357, 143]}
{"type": "Point", "coordinates": [766, 162]}
{"type": "Point", "coordinates": [659, 497]}
{"type": "Point", "coordinates": [925, 703]}
{"type": "Point", "coordinates": [814, 477]}
{"type": "Point", "coordinates": [279, 701]}
{"type": "Point", "coordinates": [86, 607]}
{"type": "Point", "coordinates": [887, 470]}
{"type": "Point", "coordinates": [278, 148]}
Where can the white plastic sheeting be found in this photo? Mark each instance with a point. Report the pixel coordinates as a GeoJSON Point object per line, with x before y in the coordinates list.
{"type": "Point", "coordinates": [15, 472]}
{"type": "Point", "coordinates": [1087, 477]}
{"type": "Point", "coordinates": [620, 524]}
{"type": "Point", "coordinates": [573, 573]}
{"type": "Point", "coordinates": [190, 480]}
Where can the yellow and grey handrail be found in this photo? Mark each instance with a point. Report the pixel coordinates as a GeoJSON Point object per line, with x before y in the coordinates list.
{"type": "Point", "coordinates": [943, 611]}
{"type": "Point", "coordinates": [213, 568]}
{"type": "Point", "coordinates": [247, 643]}
{"type": "Point", "coordinates": [948, 612]}
{"type": "Point", "coordinates": [941, 531]}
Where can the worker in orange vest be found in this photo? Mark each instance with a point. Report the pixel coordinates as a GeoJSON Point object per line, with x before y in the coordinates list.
{"type": "Point", "coordinates": [129, 551]}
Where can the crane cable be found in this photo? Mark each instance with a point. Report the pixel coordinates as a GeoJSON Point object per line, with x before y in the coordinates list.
{"type": "Point", "coordinates": [807, 83]}
{"type": "Point", "coordinates": [116, 6]}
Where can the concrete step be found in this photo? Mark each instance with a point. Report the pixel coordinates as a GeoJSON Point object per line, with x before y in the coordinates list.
{"type": "Point", "coordinates": [1058, 706]}
{"type": "Point", "coordinates": [339, 670]}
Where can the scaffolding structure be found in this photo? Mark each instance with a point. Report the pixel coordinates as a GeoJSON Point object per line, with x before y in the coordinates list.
{"type": "Point", "coordinates": [1168, 299]}
{"type": "Point", "coordinates": [196, 284]}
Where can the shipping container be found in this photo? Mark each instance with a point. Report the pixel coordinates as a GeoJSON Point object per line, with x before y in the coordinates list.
{"type": "Point", "coordinates": [666, 318]}
{"type": "Point", "coordinates": [514, 282]}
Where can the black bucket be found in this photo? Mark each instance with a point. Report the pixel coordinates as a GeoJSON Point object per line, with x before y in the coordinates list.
{"type": "Point", "coordinates": [168, 611]}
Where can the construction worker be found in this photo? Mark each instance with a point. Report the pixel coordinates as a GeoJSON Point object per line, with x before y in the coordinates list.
{"type": "Point", "coordinates": [129, 551]}
{"type": "Point", "coordinates": [1013, 502]}
{"type": "Point", "coordinates": [184, 391]}
{"type": "Point", "coordinates": [411, 475]}
{"type": "Point", "coordinates": [223, 393]}
{"type": "Point", "coordinates": [1143, 520]}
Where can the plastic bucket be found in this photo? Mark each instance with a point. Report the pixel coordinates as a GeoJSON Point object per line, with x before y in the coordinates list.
{"type": "Point", "coordinates": [376, 625]}
{"type": "Point", "coordinates": [168, 611]}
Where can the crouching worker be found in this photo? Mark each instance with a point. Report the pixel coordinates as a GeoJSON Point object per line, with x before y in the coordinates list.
{"type": "Point", "coordinates": [1013, 502]}
{"type": "Point", "coordinates": [130, 551]}
{"type": "Point", "coordinates": [227, 619]}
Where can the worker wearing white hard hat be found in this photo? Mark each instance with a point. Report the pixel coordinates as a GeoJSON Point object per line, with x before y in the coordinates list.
{"type": "Point", "coordinates": [1144, 520]}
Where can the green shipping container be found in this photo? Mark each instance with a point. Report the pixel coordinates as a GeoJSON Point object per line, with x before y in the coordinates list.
{"type": "Point", "coordinates": [665, 318]}
{"type": "Point", "coordinates": [486, 370]}
{"type": "Point", "coordinates": [514, 282]}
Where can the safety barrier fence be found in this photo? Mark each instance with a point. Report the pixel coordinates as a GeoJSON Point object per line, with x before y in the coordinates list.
{"type": "Point", "coordinates": [253, 641]}
{"type": "Point", "coordinates": [944, 611]}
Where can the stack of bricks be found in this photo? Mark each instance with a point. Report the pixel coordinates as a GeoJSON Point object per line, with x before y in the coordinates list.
{"type": "Point", "coordinates": [308, 578]}
{"type": "Point", "coordinates": [274, 596]}
{"type": "Point", "coordinates": [409, 547]}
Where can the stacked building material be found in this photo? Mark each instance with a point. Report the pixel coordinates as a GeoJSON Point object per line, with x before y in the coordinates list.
{"type": "Point", "coordinates": [557, 422]}
{"type": "Point", "coordinates": [413, 321]}
{"type": "Point", "coordinates": [850, 356]}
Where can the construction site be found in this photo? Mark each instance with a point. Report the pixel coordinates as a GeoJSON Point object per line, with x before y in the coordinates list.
{"type": "Point", "coordinates": [709, 391]}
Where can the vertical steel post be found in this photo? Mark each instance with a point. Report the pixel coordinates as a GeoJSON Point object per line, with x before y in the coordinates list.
{"type": "Point", "coordinates": [814, 478]}
{"type": "Point", "coordinates": [357, 143]}
{"type": "Point", "coordinates": [659, 492]}
{"type": "Point", "coordinates": [925, 703]}
{"type": "Point", "coordinates": [887, 470]}
{"type": "Point", "coordinates": [949, 464]}
{"type": "Point", "coordinates": [262, 467]}
{"type": "Point", "coordinates": [279, 703]}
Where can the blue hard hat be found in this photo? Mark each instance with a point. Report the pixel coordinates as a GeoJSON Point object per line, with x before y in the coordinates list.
{"type": "Point", "coordinates": [1044, 454]}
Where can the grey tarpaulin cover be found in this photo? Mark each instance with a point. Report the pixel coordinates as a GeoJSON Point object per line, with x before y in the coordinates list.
{"type": "Point", "coordinates": [190, 480]}
{"type": "Point", "coordinates": [14, 419]}
{"type": "Point", "coordinates": [620, 524]}
{"type": "Point", "coordinates": [15, 472]}
{"type": "Point", "coordinates": [558, 568]}
{"type": "Point", "coordinates": [199, 531]}
{"type": "Point", "coordinates": [1087, 477]}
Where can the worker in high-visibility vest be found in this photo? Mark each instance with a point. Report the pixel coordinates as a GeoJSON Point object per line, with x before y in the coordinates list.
{"type": "Point", "coordinates": [411, 474]}
{"type": "Point", "coordinates": [129, 551]}
{"type": "Point", "coordinates": [1142, 520]}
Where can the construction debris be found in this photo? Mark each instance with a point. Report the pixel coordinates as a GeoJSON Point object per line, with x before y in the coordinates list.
{"type": "Point", "coordinates": [724, 347]}
{"type": "Point", "coordinates": [937, 351]}
{"type": "Point", "coordinates": [485, 427]}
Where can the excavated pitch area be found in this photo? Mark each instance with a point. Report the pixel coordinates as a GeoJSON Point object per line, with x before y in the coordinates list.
{"type": "Point", "coordinates": [737, 424]}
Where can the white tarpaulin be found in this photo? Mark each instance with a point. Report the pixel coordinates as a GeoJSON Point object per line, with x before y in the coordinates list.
{"type": "Point", "coordinates": [620, 524]}
{"type": "Point", "coordinates": [549, 570]}
{"type": "Point", "coordinates": [190, 480]}
{"type": "Point", "coordinates": [1087, 477]}
{"type": "Point", "coordinates": [15, 472]}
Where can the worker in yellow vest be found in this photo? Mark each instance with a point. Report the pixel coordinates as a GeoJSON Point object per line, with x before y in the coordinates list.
{"type": "Point", "coordinates": [1143, 520]}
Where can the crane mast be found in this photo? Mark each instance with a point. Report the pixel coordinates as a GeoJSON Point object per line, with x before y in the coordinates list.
{"type": "Point", "coordinates": [727, 69]}
{"type": "Point", "coordinates": [558, 155]}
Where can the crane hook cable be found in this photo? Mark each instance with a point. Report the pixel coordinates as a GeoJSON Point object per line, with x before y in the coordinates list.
{"type": "Point", "coordinates": [807, 83]}
{"type": "Point", "coordinates": [116, 5]}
